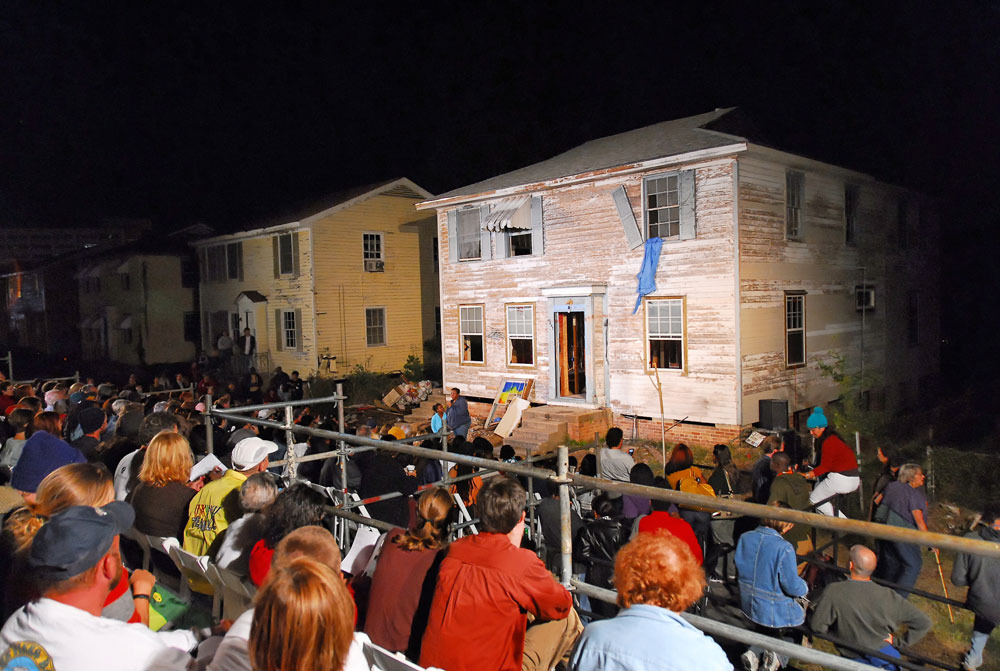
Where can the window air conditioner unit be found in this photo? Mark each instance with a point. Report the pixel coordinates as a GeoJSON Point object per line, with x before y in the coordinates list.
{"type": "Point", "coordinates": [374, 266]}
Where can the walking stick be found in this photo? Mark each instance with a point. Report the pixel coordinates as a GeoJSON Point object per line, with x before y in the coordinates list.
{"type": "Point", "coordinates": [937, 558]}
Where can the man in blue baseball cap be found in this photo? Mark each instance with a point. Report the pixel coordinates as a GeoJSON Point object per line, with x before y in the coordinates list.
{"type": "Point", "coordinates": [75, 561]}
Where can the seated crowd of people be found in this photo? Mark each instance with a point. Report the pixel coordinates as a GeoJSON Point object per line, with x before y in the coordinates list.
{"type": "Point", "coordinates": [87, 467]}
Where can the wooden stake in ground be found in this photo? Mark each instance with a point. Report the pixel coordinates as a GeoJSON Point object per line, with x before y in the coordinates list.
{"type": "Point", "coordinates": [944, 586]}
{"type": "Point", "coordinates": [663, 431]}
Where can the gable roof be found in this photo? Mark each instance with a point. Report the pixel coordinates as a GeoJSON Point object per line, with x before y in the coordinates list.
{"type": "Point", "coordinates": [668, 138]}
{"type": "Point", "coordinates": [305, 214]}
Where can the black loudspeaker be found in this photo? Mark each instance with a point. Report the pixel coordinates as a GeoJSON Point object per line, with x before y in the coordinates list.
{"type": "Point", "coordinates": [773, 414]}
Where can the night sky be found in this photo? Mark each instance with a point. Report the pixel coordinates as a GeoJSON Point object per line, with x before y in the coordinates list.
{"type": "Point", "coordinates": [225, 113]}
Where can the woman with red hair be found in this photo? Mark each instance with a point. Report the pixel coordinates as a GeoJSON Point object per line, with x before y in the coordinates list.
{"type": "Point", "coordinates": [657, 578]}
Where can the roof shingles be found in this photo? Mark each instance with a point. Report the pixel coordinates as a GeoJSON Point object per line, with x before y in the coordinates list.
{"type": "Point", "coordinates": [669, 138]}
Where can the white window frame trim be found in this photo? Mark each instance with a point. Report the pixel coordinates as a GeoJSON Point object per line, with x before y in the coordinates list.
{"type": "Point", "coordinates": [284, 331]}
{"type": "Point", "coordinates": [381, 246]}
{"type": "Point", "coordinates": [534, 353]}
{"type": "Point", "coordinates": [385, 325]}
{"type": "Point", "coordinates": [645, 210]}
{"type": "Point", "coordinates": [784, 316]}
{"type": "Point", "coordinates": [797, 235]}
{"type": "Point", "coordinates": [462, 334]}
{"type": "Point", "coordinates": [684, 335]}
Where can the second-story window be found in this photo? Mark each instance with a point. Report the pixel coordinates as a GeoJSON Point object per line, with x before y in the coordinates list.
{"type": "Point", "coordinates": [850, 213]}
{"type": "Point", "coordinates": [234, 260]}
{"type": "Point", "coordinates": [794, 188]}
{"type": "Point", "coordinates": [286, 258]}
{"type": "Point", "coordinates": [520, 243]}
{"type": "Point", "coordinates": [663, 212]}
{"type": "Point", "coordinates": [373, 252]}
{"type": "Point", "coordinates": [469, 236]}
{"type": "Point", "coordinates": [216, 263]}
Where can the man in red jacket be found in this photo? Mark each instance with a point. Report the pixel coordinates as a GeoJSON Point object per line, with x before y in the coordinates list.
{"type": "Point", "coordinates": [487, 588]}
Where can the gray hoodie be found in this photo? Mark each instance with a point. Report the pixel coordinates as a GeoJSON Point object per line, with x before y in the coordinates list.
{"type": "Point", "coordinates": [982, 576]}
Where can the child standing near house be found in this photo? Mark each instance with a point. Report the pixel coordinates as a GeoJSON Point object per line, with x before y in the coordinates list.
{"type": "Point", "coordinates": [437, 419]}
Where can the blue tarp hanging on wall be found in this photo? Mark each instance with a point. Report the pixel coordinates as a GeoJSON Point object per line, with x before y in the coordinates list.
{"type": "Point", "coordinates": [647, 276]}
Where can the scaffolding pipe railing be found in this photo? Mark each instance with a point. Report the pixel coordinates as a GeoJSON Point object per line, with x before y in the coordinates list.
{"type": "Point", "coordinates": [179, 390]}
{"type": "Point", "coordinates": [75, 377]}
{"type": "Point", "coordinates": [838, 524]}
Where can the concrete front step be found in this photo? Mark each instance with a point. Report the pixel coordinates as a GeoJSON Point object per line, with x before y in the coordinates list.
{"type": "Point", "coordinates": [544, 427]}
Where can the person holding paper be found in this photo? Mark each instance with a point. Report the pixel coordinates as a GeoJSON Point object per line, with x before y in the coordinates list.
{"type": "Point", "coordinates": [162, 496]}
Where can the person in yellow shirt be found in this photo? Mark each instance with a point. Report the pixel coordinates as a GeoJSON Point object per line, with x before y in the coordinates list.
{"type": "Point", "coordinates": [218, 502]}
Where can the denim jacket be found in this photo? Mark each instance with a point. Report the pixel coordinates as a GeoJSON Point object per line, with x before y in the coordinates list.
{"type": "Point", "coordinates": [768, 579]}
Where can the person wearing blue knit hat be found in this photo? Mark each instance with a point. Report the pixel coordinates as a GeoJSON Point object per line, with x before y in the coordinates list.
{"type": "Point", "coordinates": [42, 454]}
{"type": "Point", "coordinates": [838, 466]}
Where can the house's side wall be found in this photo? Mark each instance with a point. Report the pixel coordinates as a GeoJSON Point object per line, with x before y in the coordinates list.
{"type": "Point", "coordinates": [283, 293]}
{"type": "Point", "coordinates": [156, 301]}
{"type": "Point", "coordinates": [584, 245]}
{"type": "Point", "coordinates": [344, 290]}
{"type": "Point", "coordinates": [821, 263]}
{"type": "Point", "coordinates": [163, 300]}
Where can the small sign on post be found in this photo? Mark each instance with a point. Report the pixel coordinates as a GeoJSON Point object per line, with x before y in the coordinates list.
{"type": "Point", "coordinates": [755, 438]}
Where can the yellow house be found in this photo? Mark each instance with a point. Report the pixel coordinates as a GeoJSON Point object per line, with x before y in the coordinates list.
{"type": "Point", "coordinates": [352, 282]}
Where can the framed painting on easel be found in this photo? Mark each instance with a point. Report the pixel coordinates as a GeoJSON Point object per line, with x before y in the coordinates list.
{"type": "Point", "coordinates": [509, 390]}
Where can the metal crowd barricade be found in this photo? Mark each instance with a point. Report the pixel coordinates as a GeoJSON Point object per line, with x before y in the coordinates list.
{"type": "Point", "coordinates": [75, 377]}
{"type": "Point", "coordinates": [179, 390]}
{"type": "Point", "coordinates": [564, 479]}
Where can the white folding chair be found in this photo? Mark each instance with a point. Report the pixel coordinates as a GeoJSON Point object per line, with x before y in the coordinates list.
{"type": "Point", "coordinates": [162, 544]}
{"type": "Point", "coordinates": [463, 516]}
{"type": "Point", "coordinates": [380, 659]}
{"type": "Point", "coordinates": [195, 567]}
{"type": "Point", "coordinates": [237, 591]}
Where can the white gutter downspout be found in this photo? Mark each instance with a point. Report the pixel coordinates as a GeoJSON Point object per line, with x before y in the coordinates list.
{"type": "Point", "coordinates": [736, 292]}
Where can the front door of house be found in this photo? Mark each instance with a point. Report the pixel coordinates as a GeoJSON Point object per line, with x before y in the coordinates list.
{"type": "Point", "coordinates": [571, 354]}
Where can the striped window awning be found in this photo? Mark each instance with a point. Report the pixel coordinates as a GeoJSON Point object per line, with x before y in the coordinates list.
{"type": "Point", "coordinates": [512, 212]}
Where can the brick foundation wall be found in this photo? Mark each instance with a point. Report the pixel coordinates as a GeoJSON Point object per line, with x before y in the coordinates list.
{"type": "Point", "coordinates": [586, 427]}
{"type": "Point", "coordinates": [689, 434]}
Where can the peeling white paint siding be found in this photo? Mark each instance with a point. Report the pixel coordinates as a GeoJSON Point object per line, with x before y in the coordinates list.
{"type": "Point", "coordinates": [584, 244]}
{"type": "Point", "coordinates": [828, 269]}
